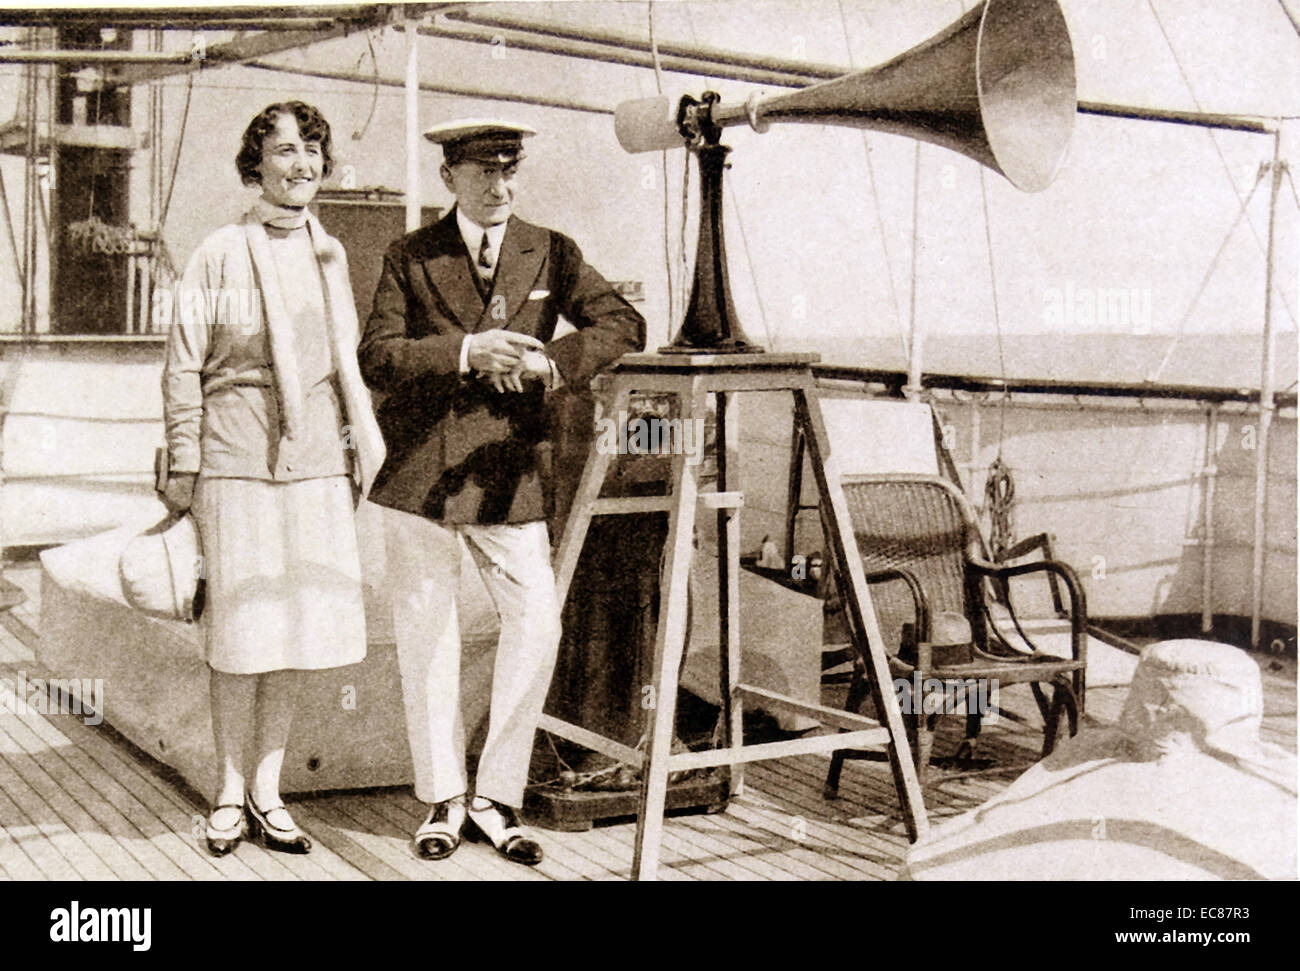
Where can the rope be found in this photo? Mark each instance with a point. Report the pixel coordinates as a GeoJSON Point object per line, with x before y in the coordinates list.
{"type": "Point", "coordinates": [1210, 133]}
{"type": "Point", "coordinates": [875, 201]}
{"type": "Point", "coordinates": [1209, 271]}
{"type": "Point", "coordinates": [999, 496]}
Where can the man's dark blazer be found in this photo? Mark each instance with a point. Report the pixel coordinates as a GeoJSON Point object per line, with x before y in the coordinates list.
{"type": "Point", "coordinates": [458, 450]}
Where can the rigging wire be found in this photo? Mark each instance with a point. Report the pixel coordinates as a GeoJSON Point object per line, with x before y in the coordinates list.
{"type": "Point", "coordinates": [997, 317]}
{"type": "Point", "coordinates": [360, 133]}
{"type": "Point", "coordinates": [176, 160]}
{"type": "Point", "coordinates": [1210, 132]}
{"type": "Point", "coordinates": [1209, 271]}
{"type": "Point", "coordinates": [99, 94]}
{"type": "Point", "coordinates": [753, 273]}
{"type": "Point", "coordinates": [999, 485]}
{"type": "Point", "coordinates": [1286, 171]}
{"type": "Point", "coordinates": [663, 159]}
{"type": "Point", "coordinates": [875, 200]}
{"type": "Point", "coordinates": [8, 218]}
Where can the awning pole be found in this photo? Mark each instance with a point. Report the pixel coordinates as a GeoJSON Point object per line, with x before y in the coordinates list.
{"type": "Point", "coordinates": [916, 344]}
{"type": "Point", "coordinates": [1266, 405]}
{"type": "Point", "coordinates": [412, 128]}
{"type": "Point", "coordinates": [1209, 476]}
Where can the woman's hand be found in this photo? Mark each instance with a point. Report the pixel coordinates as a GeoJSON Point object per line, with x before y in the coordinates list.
{"type": "Point", "coordinates": [179, 492]}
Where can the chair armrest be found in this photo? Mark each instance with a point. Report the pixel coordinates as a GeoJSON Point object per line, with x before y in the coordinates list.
{"type": "Point", "coordinates": [920, 602]}
{"type": "Point", "coordinates": [1042, 543]}
{"type": "Point", "coordinates": [1078, 602]}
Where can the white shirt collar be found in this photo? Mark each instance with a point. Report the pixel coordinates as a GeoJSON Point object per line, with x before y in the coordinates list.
{"type": "Point", "coordinates": [472, 233]}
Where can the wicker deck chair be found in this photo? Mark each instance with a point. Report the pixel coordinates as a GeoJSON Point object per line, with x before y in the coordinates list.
{"type": "Point", "coordinates": [923, 526]}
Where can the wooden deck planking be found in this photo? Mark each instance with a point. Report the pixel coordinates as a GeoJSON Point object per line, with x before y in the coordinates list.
{"type": "Point", "coordinates": [72, 735]}
{"type": "Point", "coordinates": [407, 813]}
{"type": "Point", "coordinates": [384, 815]}
{"type": "Point", "coordinates": [740, 827]}
{"type": "Point", "coordinates": [14, 860]}
{"type": "Point", "coordinates": [805, 838]}
{"type": "Point", "coordinates": [72, 857]}
{"type": "Point", "coordinates": [826, 825]}
{"type": "Point", "coordinates": [116, 845]}
{"type": "Point", "coordinates": [677, 853]}
{"type": "Point", "coordinates": [331, 829]}
{"type": "Point", "coordinates": [79, 802]}
{"type": "Point", "coordinates": [23, 823]}
{"type": "Point", "coordinates": [381, 839]}
{"type": "Point", "coordinates": [727, 842]}
{"type": "Point", "coordinates": [113, 806]}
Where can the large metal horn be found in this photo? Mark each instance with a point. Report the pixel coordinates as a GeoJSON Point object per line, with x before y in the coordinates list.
{"type": "Point", "coordinates": [997, 85]}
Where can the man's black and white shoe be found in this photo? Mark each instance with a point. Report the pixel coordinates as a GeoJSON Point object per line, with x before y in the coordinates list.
{"type": "Point", "coordinates": [439, 835]}
{"type": "Point", "coordinates": [500, 826]}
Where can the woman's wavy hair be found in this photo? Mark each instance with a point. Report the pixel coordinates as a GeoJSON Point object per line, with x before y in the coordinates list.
{"type": "Point", "coordinates": [312, 126]}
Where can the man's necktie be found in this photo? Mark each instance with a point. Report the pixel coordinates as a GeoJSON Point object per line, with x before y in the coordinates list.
{"type": "Point", "coordinates": [485, 259]}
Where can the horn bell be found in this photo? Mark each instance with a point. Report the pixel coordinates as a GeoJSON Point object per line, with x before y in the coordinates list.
{"type": "Point", "coordinates": [997, 85]}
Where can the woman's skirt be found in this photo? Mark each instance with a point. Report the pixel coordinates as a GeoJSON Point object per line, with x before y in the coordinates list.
{"type": "Point", "coordinates": [282, 572]}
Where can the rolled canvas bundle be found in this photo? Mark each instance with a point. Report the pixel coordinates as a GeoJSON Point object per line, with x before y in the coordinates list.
{"type": "Point", "coordinates": [1181, 788]}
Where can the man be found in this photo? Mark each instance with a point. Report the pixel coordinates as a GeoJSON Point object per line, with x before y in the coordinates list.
{"type": "Point", "coordinates": [461, 342]}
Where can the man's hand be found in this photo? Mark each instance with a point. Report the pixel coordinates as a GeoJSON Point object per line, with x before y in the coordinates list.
{"type": "Point", "coordinates": [179, 493]}
{"type": "Point", "coordinates": [533, 366]}
{"type": "Point", "coordinates": [499, 351]}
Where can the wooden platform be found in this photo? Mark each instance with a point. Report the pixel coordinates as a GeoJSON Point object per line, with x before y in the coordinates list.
{"type": "Point", "coordinates": [79, 802]}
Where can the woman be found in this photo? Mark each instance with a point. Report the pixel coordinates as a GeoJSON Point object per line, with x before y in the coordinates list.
{"type": "Point", "coordinates": [272, 440]}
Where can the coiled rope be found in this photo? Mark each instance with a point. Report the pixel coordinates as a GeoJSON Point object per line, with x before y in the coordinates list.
{"type": "Point", "coordinates": [999, 496]}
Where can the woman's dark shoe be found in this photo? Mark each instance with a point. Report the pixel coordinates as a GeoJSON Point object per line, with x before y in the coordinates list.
{"type": "Point", "coordinates": [500, 826]}
{"type": "Point", "coordinates": [439, 836]}
{"type": "Point", "coordinates": [222, 841]}
{"type": "Point", "coordinates": [291, 840]}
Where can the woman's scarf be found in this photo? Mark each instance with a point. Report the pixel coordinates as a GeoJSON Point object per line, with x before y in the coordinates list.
{"type": "Point", "coordinates": [362, 434]}
{"type": "Point", "coordinates": [280, 217]}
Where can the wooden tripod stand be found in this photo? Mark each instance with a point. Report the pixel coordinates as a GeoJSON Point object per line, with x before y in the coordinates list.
{"type": "Point", "coordinates": [692, 377]}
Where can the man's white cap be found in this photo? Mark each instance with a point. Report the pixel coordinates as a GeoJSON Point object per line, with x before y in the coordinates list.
{"type": "Point", "coordinates": [480, 140]}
